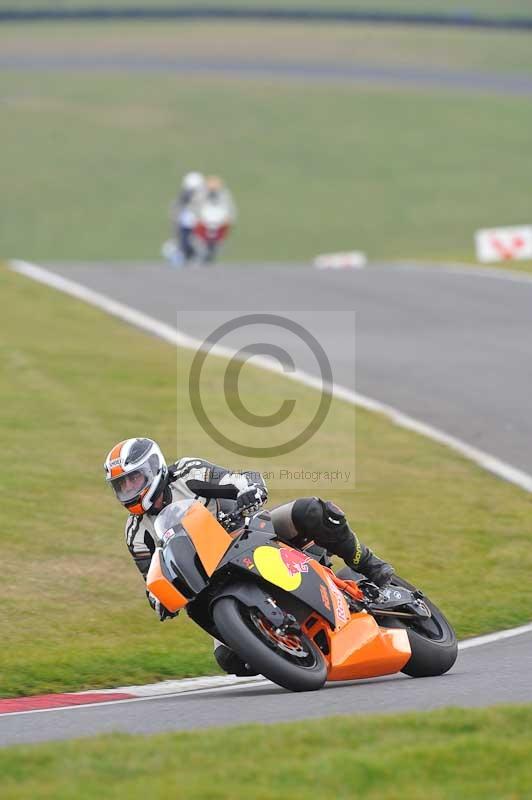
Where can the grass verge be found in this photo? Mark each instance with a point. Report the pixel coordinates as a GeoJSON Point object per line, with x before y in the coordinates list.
{"type": "Point", "coordinates": [399, 172]}
{"type": "Point", "coordinates": [458, 753]}
{"type": "Point", "coordinates": [74, 615]}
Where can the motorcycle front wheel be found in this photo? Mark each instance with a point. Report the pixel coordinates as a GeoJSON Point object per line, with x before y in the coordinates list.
{"type": "Point", "coordinates": [291, 660]}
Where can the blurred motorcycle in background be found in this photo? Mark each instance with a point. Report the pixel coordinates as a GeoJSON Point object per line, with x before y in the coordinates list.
{"type": "Point", "coordinates": [202, 223]}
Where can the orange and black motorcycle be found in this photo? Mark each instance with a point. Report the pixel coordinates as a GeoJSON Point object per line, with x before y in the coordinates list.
{"type": "Point", "coordinates": [288, 616]}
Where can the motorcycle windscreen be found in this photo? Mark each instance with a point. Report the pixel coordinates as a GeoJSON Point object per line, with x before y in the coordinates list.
{"type": "Point", "coordinates": [210, 539]}
{"type": "Point", "coordinates": [160, 585]}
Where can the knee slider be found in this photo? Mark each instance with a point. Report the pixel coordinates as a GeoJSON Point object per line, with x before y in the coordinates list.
{"type": "Point", "coordinates": [303, 520]}
{"type": "Point", "coordinates": [324, 522]}
{"type": "Point", "coordinates": [333, 516]}
{"type": "Point", "coordinates": [307, 516]}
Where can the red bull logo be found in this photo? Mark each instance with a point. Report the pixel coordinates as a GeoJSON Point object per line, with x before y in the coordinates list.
{"type": "Point", "coordinates": [294, 561]}
{"type": "Point", "coordinates": [282, 566]}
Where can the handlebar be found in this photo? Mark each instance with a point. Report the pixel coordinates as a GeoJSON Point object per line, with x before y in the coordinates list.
{"type": "Point", "coordinates": [213, 490]}
{"type": "Point", "coordinates": [231, 516]}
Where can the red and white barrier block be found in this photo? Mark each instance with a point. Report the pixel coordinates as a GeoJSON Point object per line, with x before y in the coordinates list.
{"type": "Point", "coordinates": [504, 244]}
{"type": "Point", "coordinates": [352, 260]}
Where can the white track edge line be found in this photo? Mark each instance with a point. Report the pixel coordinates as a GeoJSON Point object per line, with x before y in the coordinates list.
{"type": "Point", "coordinates": [173, 336]}
{"type": "Point", "coordinates": [223, 683]}
{"type": "Point", "coordinates": [233, 683]}
{"type": "Point", "coordinates": [180, 339]}
{"type": "Point", "coordinates": [456, 268]}
{"type": "Point", "coordinates": [182, 686]}
{"type": "Point", "coordinates": [497, 636]}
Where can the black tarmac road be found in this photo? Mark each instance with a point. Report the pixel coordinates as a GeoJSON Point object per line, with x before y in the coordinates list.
{"type": "Point", "coordinates": [394, 76]}
{"type": "Point", "coordinates": [451, 348]}
{"type": "Point", "coordinates": [486, 675]}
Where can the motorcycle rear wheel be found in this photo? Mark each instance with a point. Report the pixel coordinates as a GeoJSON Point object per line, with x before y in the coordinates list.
{"type": "Point", "coordinates": [292, 661]}
{"type": "Point", "coordinates": [432, 641]}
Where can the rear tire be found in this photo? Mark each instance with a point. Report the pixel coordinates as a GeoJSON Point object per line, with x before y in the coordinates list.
{"type": "Point", "coordinates": [246, 632]}
{"type": "Point", "coordinates": [433, 641]}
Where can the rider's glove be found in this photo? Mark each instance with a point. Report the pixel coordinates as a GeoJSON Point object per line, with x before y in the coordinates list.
{"type": "Point", "coordinates": [161, 611]}
{"type": "Point", "coordinates": [252, 498]}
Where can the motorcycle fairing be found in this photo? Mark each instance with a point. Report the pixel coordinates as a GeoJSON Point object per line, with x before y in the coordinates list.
{"type": "Point", "coordinates": [361, 649]}
{"type": "Point", "coordinates": [304, 580]}
{"type": "Point", "coordinates": [159, 583]}
{"type": "Point", "coordinates": [341, 611]}
{"type": "Point", "coordinates": [210, 539]}
{"type": "Point", "coordinates": [262, 522]}
{"type": "Point", "coordinates": [253, 596]}
{"type": "Point", "coordinates": [181, 559]}
{"type": "Point", "coordinates": [192, 550]}
{"type": "Point", "coordinates": [353, 644]}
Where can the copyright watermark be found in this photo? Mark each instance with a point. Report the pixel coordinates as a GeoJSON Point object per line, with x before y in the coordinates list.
{"type": "Point", "coordinates": [259, 391]}
{"type": "Point", "coordinates": [231, 385]}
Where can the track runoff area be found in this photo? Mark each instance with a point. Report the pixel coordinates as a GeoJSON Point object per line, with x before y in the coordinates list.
{"type": "Point", "coordinates": [222, 685]}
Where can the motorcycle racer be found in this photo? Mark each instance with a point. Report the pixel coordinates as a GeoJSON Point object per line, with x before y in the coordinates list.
{"type": "Point", "coordinates": [215, 192]}
{"type": "Point", "coordinates": [143, 483]}
{"type": "Point", "coordinates": [184, 214]}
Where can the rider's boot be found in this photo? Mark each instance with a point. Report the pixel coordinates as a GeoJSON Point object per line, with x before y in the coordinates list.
{"type": "Point", "coordinates": [326, 523]}
{"type": "Point", "coordinates": [228, 660]}
{"type": "Point", "coordinates": [373, 567]}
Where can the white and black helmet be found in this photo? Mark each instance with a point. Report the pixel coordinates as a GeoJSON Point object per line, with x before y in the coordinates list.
{"type": "Point", "coordinates": [193, 182]}
{"type": "Point", "coordinates": [137, 472]}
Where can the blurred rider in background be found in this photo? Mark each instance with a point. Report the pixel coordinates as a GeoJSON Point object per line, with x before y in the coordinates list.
{"type": "Point", "coordinates": [215, 212]}
{"type": "Point", "coordinates": [214, 193]}
{"type": "Point", "coordinates": [144, 484]}
{"type": "Point", "coordinates": [184, 213]}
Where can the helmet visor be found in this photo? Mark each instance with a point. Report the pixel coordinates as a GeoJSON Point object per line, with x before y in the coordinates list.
{"type": "Point", "coordinates": [127, 487]}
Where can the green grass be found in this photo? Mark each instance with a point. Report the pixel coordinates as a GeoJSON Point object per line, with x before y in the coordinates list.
{"type": "Point", "coordinates": [444, 755]}
{"type": "Point", "coordinates": [90, 163]}
{"type": "Point", "coordinates": [74, 615]}
{"type": "Point", "coordinates": [484, 7]}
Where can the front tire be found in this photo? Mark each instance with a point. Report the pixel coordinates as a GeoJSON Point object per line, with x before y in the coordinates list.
{"type": "Point", "coordinates": [293, 662]}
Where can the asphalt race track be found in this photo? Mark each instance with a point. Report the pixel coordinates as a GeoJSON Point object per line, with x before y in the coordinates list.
{"type": "Point", "coordinates": [485, 675]}
{"type": "Point", "coordinates": [449, 347]}
{"type": "Point", "coordinates": [517, 84]}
